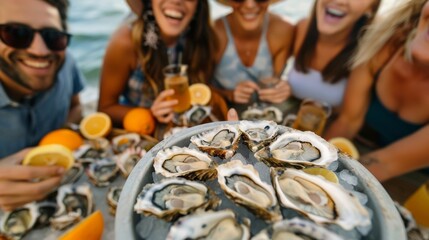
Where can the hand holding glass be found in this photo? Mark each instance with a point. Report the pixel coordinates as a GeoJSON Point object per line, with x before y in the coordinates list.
{"type": "Point", "coordinates": [175, 78]}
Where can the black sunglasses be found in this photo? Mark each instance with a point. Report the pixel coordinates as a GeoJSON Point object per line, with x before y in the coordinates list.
{"type": "Point", "coordinates": [21, 36]}
{"type": "Point", "coordinates": [258, 1]}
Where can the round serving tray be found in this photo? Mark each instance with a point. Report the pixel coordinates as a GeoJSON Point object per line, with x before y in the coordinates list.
{"type": "Point", "coordinates": [386, 221]}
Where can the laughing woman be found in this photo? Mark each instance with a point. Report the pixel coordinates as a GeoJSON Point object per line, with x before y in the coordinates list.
{"type": "Point", "coordinates": [163, 31]}
{"type": "Point", "coordinates": [324, 43]}
{"type": "Point", "coordinates": [389, 91]}
{"type": "Point", "coordinates": [253, 44]}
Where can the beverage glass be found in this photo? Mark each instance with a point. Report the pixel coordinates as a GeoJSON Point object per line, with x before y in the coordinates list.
{"type": "Point", "coordinates": [418, 205]}
{"type": "Point", "coordinates": [312, 116]}
{"type": "Point", "coordinates": [175, 77]}
{"type": "Point", "coordinates": [265, 82]}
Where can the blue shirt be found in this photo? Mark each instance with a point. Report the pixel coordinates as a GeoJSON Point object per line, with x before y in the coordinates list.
{"type": "Point", "coordinates": [24, 124]}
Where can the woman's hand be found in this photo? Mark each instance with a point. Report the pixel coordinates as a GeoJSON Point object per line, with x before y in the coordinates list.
{"type": "Point", "coordinates": [17, 185]}
{"type": "Point", "coordinates": [277, 94]}
{"type": "Point", "coordinates": [244, 90]}
{"type": "Point", "coordinates": [162, 109]}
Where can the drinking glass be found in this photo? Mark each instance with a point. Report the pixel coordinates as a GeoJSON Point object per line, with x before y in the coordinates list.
{"type": "Point", "coordinates": [265, 82]}
{"type": "Point", "coordinates": [175, 77]}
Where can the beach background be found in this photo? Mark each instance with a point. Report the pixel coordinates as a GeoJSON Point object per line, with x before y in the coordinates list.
{"type": "Point", "coordinates": [93, 22]}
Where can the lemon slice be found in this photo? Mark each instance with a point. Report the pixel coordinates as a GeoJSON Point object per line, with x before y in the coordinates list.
{"type": "Point", "coordinates": [325, 173]}
{"type": "Point", "coordinates": [50, 155]}
{"type": "Point", "coordinates": [346, 146]}
{"type": "Point", "coordinates": [95, 125]}
{"type": "Point", "coordinates": [200, 94]}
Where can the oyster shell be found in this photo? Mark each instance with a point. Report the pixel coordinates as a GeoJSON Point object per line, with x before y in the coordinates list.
{"type": "Point", "coordinates": [113, 198]}
{"type": "Point", "coordinates": [320, 200]}
{"type": "Point", "coordinates": [258, 134]}
{"type": "Point", "coordinates": [242, 184]}
{"type": "Point", "coordinates": [74, 203]}
{"type": "Point", "coordinates": [297, 229]}
{"type": "Point", "coordinates": [196, 115]}
{"type": "Point", "coordinates": [184, 162]}
{"type": "Point", "coordinates": [128, 159]}
{"type": "Point", "coordinates": [270, 113]}
{"type": "Point", "coordinates": [221, 141]}
{"type": "Point", "coordinates": [73, 174]}
{"type": "Point", "coordinates": [17, 223]}
{"type": "Point", "coordinates": [173, 197]}
{"type": "Point", "coordinates": [209, 225]}
{"type": "Point", "coordinates": [95, 150]}
{"type": "Point", "coordinates": [124, 141]}
{"type": "Point", "coordinates": [298, 149]}
{"type": "Point", "coordinates": [102, 172]}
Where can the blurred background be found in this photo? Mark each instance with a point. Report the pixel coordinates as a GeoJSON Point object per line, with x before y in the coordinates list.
{"type": "Point", "coordinates": [92, 23]}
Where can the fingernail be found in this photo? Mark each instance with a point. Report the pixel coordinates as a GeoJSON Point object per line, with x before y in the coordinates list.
{"type": "Point", "coordinates": [60, 171]}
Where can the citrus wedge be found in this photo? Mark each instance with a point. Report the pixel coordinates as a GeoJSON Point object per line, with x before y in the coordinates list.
{"type": "Point", "coordinates": [90, 228]}
{"type": "Point", "coordinates": [95, 125]}
{"type": "Point", "coordinates": [200, 94]}
{"type": "Point", "coordinates": [50, 155]}
{"type": "Point", "coordinates": [346, 146]}
{"type": "Point", "coordinates": [139, 120]}
{"type": "Point", "coordinates": [65, 137]}
{"type": "Point", "coordinates": [325, 173]}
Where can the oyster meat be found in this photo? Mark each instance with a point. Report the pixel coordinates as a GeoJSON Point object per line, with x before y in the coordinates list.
{"type": "Point", "coordinates": [221, 141]}
{"type": "Point", "coordinates": [209, 225]}
{"type": "Point", "coordinates": [184, 162]}
{"type": "Point", "coordinates": [17, 223]}
{"type": "Point", "coordinates": [173, 197]}
{"type": "Point", "coordinates": [102, 172]}
{"type": "Point", "coordinates": [242, 184]}
{"type": "Point", "coordinates": [128, 159]}
{"type": "Point", "coordinates": [298, 149]}
{"type": "Point", "coordinates": [270, 113]}
{"type": "Point", "coordinates": [320, 200]}
{"type": "Point", "coordinates": [125, 141]}
{"type": "Point", "coordinates": [258, 134]}
{"type": "Point", "coordinates": [113, 199]}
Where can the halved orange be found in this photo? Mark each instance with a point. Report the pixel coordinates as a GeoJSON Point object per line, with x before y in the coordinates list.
{"type": "Point", "coordinates": [139, 120]}
{"type": "Point", "coordinates": [90, 228]}
{"type": "Point", "coordinates": [325, 173]}
{"type": "Point", "coordinates": [346, 146]}
{"type": "Point", "coordinates": [49, 155]}
{"type": "Point", "coordinates": [200, 94]}
{"type": "Point", "coordinates": [95, 125]}
{"type": "Point", "coordinates": [65, 137]}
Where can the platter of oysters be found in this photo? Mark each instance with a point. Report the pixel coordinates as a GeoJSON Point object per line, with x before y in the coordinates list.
{"type": "Point", "coordinates": [252, 180]}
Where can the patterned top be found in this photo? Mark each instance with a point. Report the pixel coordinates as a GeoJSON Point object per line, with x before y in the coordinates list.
{"type": "Point", "coordinates": [231, 71]}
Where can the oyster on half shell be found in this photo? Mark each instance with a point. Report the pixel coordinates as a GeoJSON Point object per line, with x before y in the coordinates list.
{"type": "Point", "coordinates": [298, 149]}
{"type": "Point", "coordinates": [242, 184]}
{"type": "Point", "coordinates": [184, 162]}
{"type": "Point", "coordinates": [221, 141]}
{"type": "Point", "coordinates": [209, 225]}
{"type": "Point", "coordinates": [17, 223]}
{"type": "Point", "coordinates": [320, 200]}
{"type": "Point", "coordinates": [173, 197]}
{"type": "Point", "coordinates": [258, 134]}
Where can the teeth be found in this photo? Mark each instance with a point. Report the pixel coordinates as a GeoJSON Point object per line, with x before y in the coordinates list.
{"type": "Point", "coordinates": [36, 64]}
{"type": "Point", "coordinates": [173, 14]}
{"type": "Point", "coordinates": [335, 12]}
{"type": "Point", "coordinates": [250, 15]}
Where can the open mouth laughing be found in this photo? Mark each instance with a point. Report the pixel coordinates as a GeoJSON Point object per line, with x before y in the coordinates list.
{"type": "Point", "coordinates": [173, 14]}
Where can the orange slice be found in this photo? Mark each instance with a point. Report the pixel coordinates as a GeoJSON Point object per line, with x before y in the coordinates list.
{"type": "Point", "coordinates": [95, 125]}
{"type": "Point", "coordinates": [325, 173]}
{"type": "Point", "coordinates": [139, 120]}
{"type": "Point", "coordinates": [65, 137]}
{"type": "Point", "coordinates": [90, 228]}
{"type": "Point", "coordinates": [346, 146]}
{"type": "Point", "coordinates": [50, 155]}
{"type": "Point", "coordinates": [200, 94]}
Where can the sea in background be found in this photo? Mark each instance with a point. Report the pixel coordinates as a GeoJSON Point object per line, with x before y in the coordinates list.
{"type": "Point", "coordinates": [93, 22]}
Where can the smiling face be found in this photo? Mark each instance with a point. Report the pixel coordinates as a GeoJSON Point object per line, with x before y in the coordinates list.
{"type": "Point", "coordinates": [420, 43]}
{"type": "Point", "coordinates": [337, 16]}
{"type": "Point", "coordinates": [26, 71]}
{"type": "Point", "coordinates": [249, 14]}
{"type": "Point", "coordinates": [173, 17]}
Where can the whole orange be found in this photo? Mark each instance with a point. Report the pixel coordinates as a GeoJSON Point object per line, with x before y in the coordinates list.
{"type": "Point", "coordinates": [68, 138]}
{"type": "Point", "coordinates": [139, 120]}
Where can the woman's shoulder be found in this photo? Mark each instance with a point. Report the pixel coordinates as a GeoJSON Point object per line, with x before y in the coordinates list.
{"type": "Point", "coordinates": [279, 26]}
{"type": "Point", "coordinates": [122, 39]}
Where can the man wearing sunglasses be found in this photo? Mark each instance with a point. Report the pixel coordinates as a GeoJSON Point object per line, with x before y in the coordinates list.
{"type": "Point", "coordinates": [39, 85]}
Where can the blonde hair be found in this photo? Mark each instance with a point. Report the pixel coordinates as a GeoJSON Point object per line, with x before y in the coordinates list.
{"type": "Point", "coordinates": [397, 27]}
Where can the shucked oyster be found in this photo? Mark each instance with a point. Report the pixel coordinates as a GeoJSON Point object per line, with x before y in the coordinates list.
{"type": "Point", "coordinates": [173, 197]}
{"type": "Point", "coordinates": [221, 141]}
{"type": "Point", "coordinates": [209, 225]}
{"type": "Point", "coordinates": [242, 184]}
{"type": "Point", "coordinates": [320, 200]}
{"type": "Point", "coordinates": [184, 162]}
{"type": "Point", "coordinates": [125, 141]}
{"type": "Point", "coordinates": [112, 199]}
{"type": "Point", "coordinates": [298, 149]}
{"type": "Point", "coordinates": [128, 159]}
{"type": "Point", "coordinates": [17, 223]}
{"type": "Point", "coordinates": [102, 172]}
{"type": "Point", "coordinates": [296, 229]}
{"type": "Point", "coordinates": [258, 134]}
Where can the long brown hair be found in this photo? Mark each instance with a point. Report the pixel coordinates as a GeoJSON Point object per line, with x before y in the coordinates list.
{"type": "Point", "coordinates": [338, 67]}
{"type": "Point", "coordinates": [199, 47]}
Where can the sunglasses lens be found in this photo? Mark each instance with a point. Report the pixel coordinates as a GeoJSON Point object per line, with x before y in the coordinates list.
{"type": "Point", "coordinates": [16, 35]}
{"type": "Point", "coordinates": [54, 39]}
